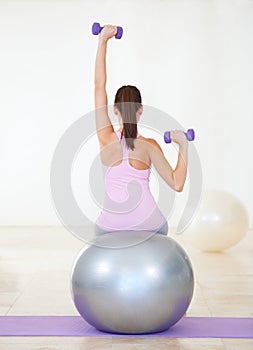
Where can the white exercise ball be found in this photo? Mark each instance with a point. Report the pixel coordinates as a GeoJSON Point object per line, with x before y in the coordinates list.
{"type": "Point", "coordinates": [221, 222]}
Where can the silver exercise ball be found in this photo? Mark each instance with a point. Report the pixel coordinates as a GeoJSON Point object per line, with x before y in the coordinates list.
{"type": "Point", "coordinates": [132, 282]}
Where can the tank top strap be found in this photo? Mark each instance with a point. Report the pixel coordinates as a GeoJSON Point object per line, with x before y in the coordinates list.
{"type": "Point", "coordinates": [124, 145]}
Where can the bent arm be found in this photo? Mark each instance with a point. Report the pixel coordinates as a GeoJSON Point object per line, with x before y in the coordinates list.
{"type": "Point", "coordinates": [174, 178]}
{"type": "Point", "coordinates": [103, 122]}
{"type": "Point", "coordinates": [180, 171]}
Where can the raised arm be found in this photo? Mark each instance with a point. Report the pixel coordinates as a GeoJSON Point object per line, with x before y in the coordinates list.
{"type": "Point", "coordinates": [175, 178]}
{"type": "Point", "coordinates": [103, 122]}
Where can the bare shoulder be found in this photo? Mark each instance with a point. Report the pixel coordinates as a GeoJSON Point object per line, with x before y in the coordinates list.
{"type": "Point", "coordinates": [153, 143]}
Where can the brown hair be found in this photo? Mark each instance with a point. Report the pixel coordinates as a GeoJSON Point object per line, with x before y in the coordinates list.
{"type": "Point", "coordinates": [128, 101]}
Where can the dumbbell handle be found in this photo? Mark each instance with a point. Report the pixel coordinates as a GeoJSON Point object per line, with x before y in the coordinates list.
{"type": "Point", "coordinates": [96, 29]}
{"type": "Point", "coordinates": [190, 135]}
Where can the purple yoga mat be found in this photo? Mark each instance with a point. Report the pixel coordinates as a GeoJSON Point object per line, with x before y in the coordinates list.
{"type": "Point", "coordinates": [75, 326]}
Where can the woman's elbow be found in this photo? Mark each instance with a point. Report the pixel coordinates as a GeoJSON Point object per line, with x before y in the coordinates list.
{"type": "Point", "coordinates": [176, 187]}
{"type": "Point", "coordinates": [179, 188]}
{"type": "Point", "coordinates": [177, 184]}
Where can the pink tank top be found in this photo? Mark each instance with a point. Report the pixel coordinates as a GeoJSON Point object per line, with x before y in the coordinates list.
{"type": "Point", "coordinates": [128, 203]}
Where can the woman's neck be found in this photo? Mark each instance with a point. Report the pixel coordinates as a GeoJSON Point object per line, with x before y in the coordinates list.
{"type": "Point", "coordinates": [121, 128]}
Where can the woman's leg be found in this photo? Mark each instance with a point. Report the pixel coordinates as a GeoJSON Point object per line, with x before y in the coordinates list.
{"type": "Point", "coordinates": [99, 231]}
{"type": "Point", "coordinates": [163, 229]}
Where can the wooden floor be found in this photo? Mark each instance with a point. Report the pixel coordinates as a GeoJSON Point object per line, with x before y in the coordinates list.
{"type": "Point", "coordinates": [35, 266]}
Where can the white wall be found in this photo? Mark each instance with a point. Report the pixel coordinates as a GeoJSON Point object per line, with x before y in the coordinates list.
{"type": "Point", "coordinates": [192, 59]}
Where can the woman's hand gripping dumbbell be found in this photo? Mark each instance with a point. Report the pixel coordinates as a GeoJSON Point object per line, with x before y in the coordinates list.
{"type": "Point", "coordinates": [96, 29]}
{"type": "Point", "coordinates": [190, 136]}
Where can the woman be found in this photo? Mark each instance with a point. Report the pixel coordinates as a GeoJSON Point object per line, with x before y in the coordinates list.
{"type": "Point", "coordinates": [127, 156]}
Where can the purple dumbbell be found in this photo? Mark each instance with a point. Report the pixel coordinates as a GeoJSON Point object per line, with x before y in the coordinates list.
{"type": "Point", "coordinates": [190, 135]}
{"type": "Point", "coordinates": [96, 29]}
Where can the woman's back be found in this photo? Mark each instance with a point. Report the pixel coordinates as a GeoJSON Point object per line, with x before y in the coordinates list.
{"type": "Point", "coordinates": [139, 158]}
{"type": "Point", "coordinates": [128, 202]}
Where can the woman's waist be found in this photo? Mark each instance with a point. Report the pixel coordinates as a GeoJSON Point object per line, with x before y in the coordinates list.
{"type": "Point", "coordinates": [133, 192]}
{"type": "Point", "coordinates": [143, 217]}
{"type": "Point", "coordinates": [135, 203]}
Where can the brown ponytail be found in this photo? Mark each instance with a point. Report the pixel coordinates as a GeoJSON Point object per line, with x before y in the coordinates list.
{"type": "Point", "coordinates": [128, 101]}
